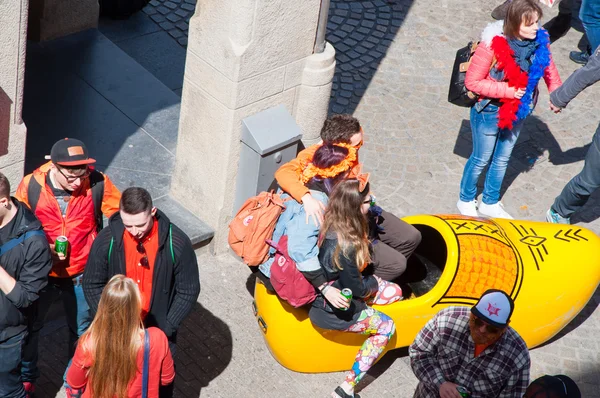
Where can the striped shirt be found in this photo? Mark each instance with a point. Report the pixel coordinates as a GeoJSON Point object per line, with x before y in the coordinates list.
{"type": "Point", "coordinates": [444, 351]}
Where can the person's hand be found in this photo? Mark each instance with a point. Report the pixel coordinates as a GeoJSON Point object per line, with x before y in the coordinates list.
{"type": "Point", "coordinates": [554, 108]}
{"type": "Point", "coordinates": [56, 256]}
{"type": "Point", "coordinates": [448, 390]}
{"type": "Point", "coordinates": [313, 208]}
{"type": "Point", "coordinates": [519, 93]}
{"type": "Point", "coordinates": [335, 298]}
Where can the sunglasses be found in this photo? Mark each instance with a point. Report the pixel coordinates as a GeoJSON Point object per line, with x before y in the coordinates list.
{"type": "Point", "coordinates": [71, 179]}
{"type": "Point", "coordinates": [142, 250]}
{"type": "Point", "coordinates": [488, 328]}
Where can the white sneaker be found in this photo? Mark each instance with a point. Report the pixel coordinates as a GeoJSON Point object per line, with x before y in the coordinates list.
{"type": "Point", "coordinates": [467, 208]}
{"type": "Point", "coordinates": [496, 210]}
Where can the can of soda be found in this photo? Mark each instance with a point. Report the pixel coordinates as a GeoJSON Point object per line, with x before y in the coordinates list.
{"type": "Point", "coordinates": [463, 392]}
{"type": "Point", "coordinates": [60, 245]}
{"type": "Point", "coordinates": [348, 294]}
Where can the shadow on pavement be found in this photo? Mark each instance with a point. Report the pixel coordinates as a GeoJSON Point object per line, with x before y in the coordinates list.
{"type": "Point", "coordinates": [204, 350]}
{"type": "Point", "coordinates": [361, 33]}
{"type": "Point", "coordinates": [83, 86]}
{"type": "Point", "coordinates": [382, 366]}
{"type": "Point", "coordinates": [536, 144]}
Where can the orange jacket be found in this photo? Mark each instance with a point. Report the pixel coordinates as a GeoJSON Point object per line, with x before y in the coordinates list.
{"type": "Point", "coordinates": [288, 178]}
{"type": "Point", "coordinates": [79, 223]}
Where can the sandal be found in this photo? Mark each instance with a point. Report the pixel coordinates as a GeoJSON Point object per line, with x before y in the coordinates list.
{"type": "Point", "coordinates": [342, 394]}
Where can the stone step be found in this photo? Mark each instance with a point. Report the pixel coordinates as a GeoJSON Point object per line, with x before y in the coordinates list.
{"type": "Point", "coordinates": [84, 86]}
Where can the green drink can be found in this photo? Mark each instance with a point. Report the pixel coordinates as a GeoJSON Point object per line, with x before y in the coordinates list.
{"type": "Point", "coordinates": [463, 392]}
{"type": "Point", "coordinates": [60, 245]}
{"type": "Point", "coordinates": [348, 294]}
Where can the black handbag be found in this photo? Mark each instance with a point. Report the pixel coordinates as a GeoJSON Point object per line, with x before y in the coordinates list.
{"type": "Point", "coordinates": [458, 93]}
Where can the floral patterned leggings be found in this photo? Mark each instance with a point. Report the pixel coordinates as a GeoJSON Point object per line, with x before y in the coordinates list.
{"type": "Point", "coordinates": [379, 326]}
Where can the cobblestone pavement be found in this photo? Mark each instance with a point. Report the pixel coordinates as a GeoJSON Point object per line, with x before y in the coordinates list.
{"type": "Point", "coordinates": [172, 16]}
{"type": "Point", "coordinates": [394, 62]}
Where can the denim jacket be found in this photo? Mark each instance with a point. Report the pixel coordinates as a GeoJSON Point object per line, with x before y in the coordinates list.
{"type": "Point", "coordinates": [302, 237]}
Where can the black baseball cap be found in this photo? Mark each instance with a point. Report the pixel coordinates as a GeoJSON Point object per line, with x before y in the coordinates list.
{"type": "Point", "coordinates": [559, 386]}
{"type": "Point", "coordinates": [70, 152]}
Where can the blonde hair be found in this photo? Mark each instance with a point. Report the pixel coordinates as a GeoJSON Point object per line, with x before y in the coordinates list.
{"type": "Point", "coordinates": [114, 339]}
{"type": "Point", "coordinates": [344, 217]}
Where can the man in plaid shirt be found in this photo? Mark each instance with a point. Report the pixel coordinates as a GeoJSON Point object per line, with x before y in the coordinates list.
{"type": "Point", "coordinates": [474, 349]}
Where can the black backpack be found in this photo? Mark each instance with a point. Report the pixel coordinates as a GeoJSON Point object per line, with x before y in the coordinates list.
{"type": "Point", "coordinates": [458, 93]}
{"type": "Point", "coordinates": [34, 189]}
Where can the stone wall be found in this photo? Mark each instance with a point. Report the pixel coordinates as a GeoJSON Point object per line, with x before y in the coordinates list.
{"type": "Point", "coordinates": [243, 57]}
{"type": "Point", "coordinates": [13, 38]}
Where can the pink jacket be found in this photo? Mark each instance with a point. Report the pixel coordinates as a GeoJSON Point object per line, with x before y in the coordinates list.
{"type": "Point", "coordinates": [479, 81]}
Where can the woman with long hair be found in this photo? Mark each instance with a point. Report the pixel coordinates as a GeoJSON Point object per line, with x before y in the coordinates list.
{"type": "Point", "coordinates": [505, 70]}
{"type": "Point", "coordinates": [115, 352]}
{"type": "Point", "coordinates": [330, 165]}
{"type": "Point", "coordinates": [393, 239]}
{"type": "Point", "coordinates": [344, 252]}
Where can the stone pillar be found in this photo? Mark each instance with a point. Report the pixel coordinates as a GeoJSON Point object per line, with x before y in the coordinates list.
{"type": "Point", "coordinates": [13, 31]}
{"type": "Point", "coordinates": [243, 57]}
{"type": "Point", "coordinates": [51, 19]}
{"type": "Point", "coordinates": [312, 100]}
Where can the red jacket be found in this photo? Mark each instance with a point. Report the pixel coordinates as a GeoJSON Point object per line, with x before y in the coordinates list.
{"type": "Point", "coordinates": [79, 223]}
{"type": "Point", "coordinates": [479, 81]}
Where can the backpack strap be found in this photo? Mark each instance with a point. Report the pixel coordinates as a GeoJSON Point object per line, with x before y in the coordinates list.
{"type": "Point", "coordinates": [112, 240]}
{"type": "Point", "coordinates": [11, 244]}
{"type": "Point", "coordinates": [146, 364]}
{"type": "Point", "coordinates": [171, 242]}
{"type": "Point", "coordinates": [97, 186]}
{"type": "Point", "coordinates": [34, 189]}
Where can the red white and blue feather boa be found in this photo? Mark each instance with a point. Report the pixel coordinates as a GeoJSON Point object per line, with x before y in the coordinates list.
{"type": "Point", "coordinates": [514, 110]}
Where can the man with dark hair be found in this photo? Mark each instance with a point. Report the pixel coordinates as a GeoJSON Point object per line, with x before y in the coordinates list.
{"type": "Point", "coordinates": [474, 349]}
{"type": "Point", "coordinates": [24, 265]}
{"type": "Point", "coordinates": [142, 243]}
{"type": "Point", "coordinates": [69, 198]}
{"type": "Point", "coordinates": [341, 128]}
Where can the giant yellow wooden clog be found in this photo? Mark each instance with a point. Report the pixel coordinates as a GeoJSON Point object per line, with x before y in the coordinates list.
{"type": "Point", "coordinates": [550, 270]}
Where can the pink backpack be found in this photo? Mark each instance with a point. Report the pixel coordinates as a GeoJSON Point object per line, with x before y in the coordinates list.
{"type": "Point", "coordinates": [288, 282]}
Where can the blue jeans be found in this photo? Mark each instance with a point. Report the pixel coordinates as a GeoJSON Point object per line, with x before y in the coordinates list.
{"type": "Point", "coordinates": [488, 142]}
{"type": "Point", "coordinates": [11, 350]}
{"type": "Point", "coordinates": [577, 191]}
{"type": "Point", "coordinates": [78, 319]}
{"type": "Point", "coordinates": [589, 13]}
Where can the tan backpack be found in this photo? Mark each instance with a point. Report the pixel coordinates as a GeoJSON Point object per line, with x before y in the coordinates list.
{"type": "Point", "coordinates": [253, 224]}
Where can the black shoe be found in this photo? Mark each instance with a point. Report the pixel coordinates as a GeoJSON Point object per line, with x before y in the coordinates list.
{"type": "Point", "coordinates": [342, 394]}
{"type": "Point", "coordinates": [559, 26]}
{"type": "Point", "coordinates": [580, 57]}
{"type": "Point", "coordinates": [500, 12]}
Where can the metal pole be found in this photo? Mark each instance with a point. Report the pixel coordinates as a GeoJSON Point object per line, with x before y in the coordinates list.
{"type": "Point", "coordinates": [322, 27]}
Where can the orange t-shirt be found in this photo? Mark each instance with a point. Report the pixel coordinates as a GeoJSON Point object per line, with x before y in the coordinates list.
{"type": "Point", "coordinates": [133, 263]}
{"type": "Point", "coordinates": [479, 348]}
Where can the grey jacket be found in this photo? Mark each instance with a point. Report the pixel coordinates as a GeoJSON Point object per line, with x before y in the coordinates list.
{"type": "Point", "coordinates": [578, 81]}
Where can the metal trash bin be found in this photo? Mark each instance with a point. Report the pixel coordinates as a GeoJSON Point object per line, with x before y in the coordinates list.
{"type": "Point", "coordinates": [269, 139]}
